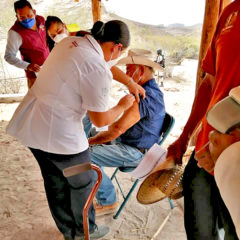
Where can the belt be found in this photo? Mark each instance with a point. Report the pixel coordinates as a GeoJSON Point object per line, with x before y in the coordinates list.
{"type": "Point", "coordinates": [142, 150]}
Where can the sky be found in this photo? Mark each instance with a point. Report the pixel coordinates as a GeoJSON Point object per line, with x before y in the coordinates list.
{"type": "Point", "coordinates": [187, 12]}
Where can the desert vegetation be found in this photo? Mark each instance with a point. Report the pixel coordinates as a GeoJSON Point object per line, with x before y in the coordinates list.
{"type": "Point", "coordinates": [177, 41]}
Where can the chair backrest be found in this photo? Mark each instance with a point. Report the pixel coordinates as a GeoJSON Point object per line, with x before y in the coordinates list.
{"type": "Point", "coordinates": [168, 123]}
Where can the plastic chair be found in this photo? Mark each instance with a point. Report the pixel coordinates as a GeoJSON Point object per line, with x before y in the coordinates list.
{"type": "Point", "coordinates": [77, 169]}
{"type": "Point", "coordinates": [166, 128]}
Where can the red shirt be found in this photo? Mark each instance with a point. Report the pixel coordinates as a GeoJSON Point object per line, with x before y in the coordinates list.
{"type": "Point", "coordinates": [222, 61]}
{"type": "Point", "coordinates": [34, 48]}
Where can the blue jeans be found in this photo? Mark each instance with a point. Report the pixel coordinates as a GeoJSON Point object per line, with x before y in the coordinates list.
{"type": "Point", "coordinates": [87, 124]}
{"type": "Point", "coordinates": [115, 155]}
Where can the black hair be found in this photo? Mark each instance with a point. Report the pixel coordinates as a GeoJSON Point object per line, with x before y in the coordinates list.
{"type": "Point", "coordinates": [113, 31]}
{"type": "Point", "coordinates": [22, 4]}
{"type": "Point", "coordinates": [48, 22]}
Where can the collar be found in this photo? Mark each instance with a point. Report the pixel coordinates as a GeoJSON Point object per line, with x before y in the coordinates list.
{"type": "Point", "coordinates": [95, 44]}
{"type": "Point", "coordinates": [149, 82]}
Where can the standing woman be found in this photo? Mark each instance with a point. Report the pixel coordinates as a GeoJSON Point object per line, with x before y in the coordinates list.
{"type": "Point", "coordinates": [57, 31]}
{"type": "Point", "coordinates": [75, 79]}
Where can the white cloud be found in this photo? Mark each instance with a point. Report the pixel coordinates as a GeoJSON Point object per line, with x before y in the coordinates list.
{"type": "Point", "coordinates": [156, 12]}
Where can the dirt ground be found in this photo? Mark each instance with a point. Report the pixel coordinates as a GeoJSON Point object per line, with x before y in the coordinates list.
{"type": "Point", "coordinates": [24, 213]}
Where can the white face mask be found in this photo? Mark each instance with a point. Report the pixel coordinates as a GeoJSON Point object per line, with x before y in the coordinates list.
{"type": "Point", "coordinates": [111, 62]}
{"type": "Point", "coordinates": [59, 37]}
{"type": "Point", "coordinates": [135, 73]}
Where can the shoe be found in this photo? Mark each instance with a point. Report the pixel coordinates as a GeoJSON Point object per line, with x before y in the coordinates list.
{"type": "Point", "coordinates": [101, 210]}
{"type": "Point", "coordinates": [99, 232]}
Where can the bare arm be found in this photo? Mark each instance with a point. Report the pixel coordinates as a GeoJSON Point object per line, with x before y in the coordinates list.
{"type": "Point", "coordinates": [101, 119]}
{"type": "Point", "coordinates": [128, 119]}
{"type": "Point", "coordinates": [133, 87]}
{"type": "Point", "coordinates": [199, 109]}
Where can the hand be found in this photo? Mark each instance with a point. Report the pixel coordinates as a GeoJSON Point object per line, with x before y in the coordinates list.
{"type": "Point", "coordinates": [33, 67]}
{"type": "Point", "coordinates": [136, 89]}
{"type": "Point", "coordinates": [91, 141]}
{"type": "Point", "coordinates": [218, 142]}
{"type": "Point", "coordinates": [169, 163]}
{"type": "Point", "coordinates": [177, 149]}
{"type": "Point", "coordinates": [127, 101]}
{"type": "Point", "coordinates": [204, 158]}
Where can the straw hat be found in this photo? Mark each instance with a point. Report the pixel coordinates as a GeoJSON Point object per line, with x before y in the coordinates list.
{"type": "Point", "coordinates": [160, 184]}
{"type": "Point", "coordinates": [140, 57]}
{"type": "Point", "coordinates": [225, 114]}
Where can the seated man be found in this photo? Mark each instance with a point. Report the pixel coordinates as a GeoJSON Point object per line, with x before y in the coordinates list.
{"type": "Point", "coordinates": [134, 133]}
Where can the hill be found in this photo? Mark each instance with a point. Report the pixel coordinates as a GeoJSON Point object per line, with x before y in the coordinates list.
{"type": "Point", "coordinates": [176, 40]}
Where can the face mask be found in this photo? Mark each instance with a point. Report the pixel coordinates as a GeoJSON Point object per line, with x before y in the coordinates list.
{"type": "Point", "coordinates": [139, 79]}
{"type": "Point", "coordinates": [111, 62]}
{"type": "Point", "coordinates": [28, 23]}
{"type": "Point", "coordinates": [60, 37]}
{"type": "Point", "coordinates": [135, 73]}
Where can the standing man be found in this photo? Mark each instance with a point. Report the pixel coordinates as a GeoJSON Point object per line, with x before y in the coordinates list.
{"type": "Point", "coordinates": [203, 203]}
{"type": "Point", "coordinates": [28, 36]}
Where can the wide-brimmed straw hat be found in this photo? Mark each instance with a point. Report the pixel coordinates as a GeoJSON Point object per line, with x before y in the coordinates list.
{"type": "Point", "coordinates": [140, 57]}
{"type": "Point", "coordinates": [160, 184]}
{"type": "Point", "coordinates": [225, 114]}
{"type": "Point", "coordinates": [164, 181]}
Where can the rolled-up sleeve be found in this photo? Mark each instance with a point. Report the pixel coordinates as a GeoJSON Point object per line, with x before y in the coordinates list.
{"type": "Point", "coordinates": [14, 42]}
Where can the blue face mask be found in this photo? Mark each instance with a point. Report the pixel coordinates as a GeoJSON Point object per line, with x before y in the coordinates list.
{"type": "Point", "coordinates": [28, 23]}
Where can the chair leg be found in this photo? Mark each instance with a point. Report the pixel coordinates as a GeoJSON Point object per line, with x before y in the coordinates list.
{"type": "Point", "coordinates": [171, 203]}
{"type": "Point", "coordinates": [126, 199]}
{"type": "Point", "coordinates": [120, 188]}
{"type": "Point", "coordinates": [115, 172]}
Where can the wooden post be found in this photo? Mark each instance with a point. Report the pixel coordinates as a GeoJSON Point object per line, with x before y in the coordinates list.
{"type": "Point", "coordinates": [223, 4]}
{"type": "Point", "coordinates": [209, 24]}
{"type": "Point", "coordinates": [213, 9]}
{"type": "Point", "coordinates": [96, 10]}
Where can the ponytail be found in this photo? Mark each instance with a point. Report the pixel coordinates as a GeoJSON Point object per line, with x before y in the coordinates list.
{"type": "Point", "coordinates": [113, 31]}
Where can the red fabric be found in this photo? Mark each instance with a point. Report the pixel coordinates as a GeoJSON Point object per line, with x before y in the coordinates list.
{"type": "Point", "coordinates": [34, 48]}
{"type": "Point", "coordinates": [222, 61]}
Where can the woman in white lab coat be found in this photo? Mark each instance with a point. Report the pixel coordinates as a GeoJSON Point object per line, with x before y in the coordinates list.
{"type": "Point", "coordinates": [74, 79]}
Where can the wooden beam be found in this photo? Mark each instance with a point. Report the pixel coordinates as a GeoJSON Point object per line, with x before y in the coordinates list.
{"type": "Point", "coordinates": [96, 10]}
{"type": "Point", "coordinates": [212, 8]}
{"type": "Point", "coordinates": [11, 98]}
{"type": "Point", "coordinates": [223, 4]}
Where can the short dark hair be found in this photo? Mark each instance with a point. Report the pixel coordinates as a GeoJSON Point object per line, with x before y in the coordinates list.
{"type": "Point", "coordinates": [112, 31]}
{"type": "Point", "coordinates": [21, 4]}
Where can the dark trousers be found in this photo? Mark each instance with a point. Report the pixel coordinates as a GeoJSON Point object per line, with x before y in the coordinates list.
{"type": "Point", "coordinates": [204, 209]}
{"type": "Point", "coordinates": [66, 196]}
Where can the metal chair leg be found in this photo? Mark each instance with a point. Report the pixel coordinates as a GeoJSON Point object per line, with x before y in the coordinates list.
{"type": "Point", "coordinates": [126, 199]}
{"type": "Point", "coordinates": [114, 174]}
{"type": "Point", "coordinates": [171, 203]}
